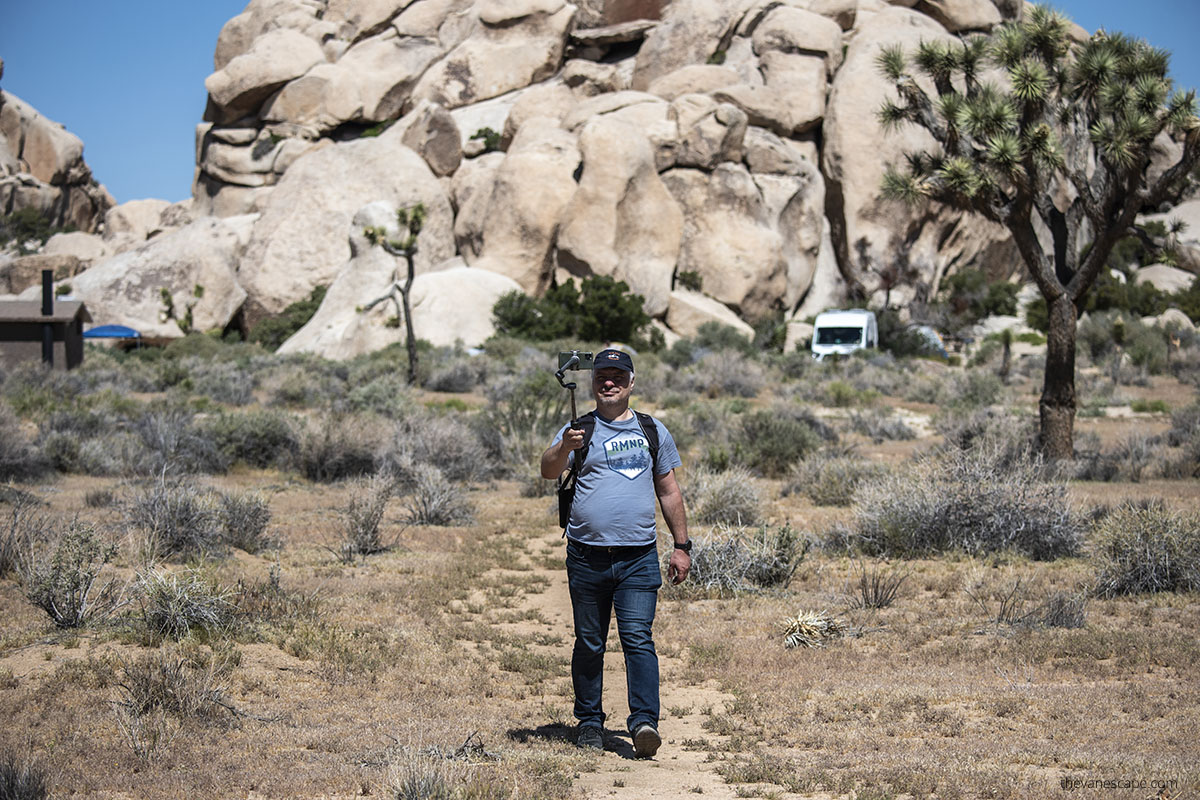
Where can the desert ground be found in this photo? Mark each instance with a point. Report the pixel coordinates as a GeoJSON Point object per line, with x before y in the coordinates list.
{"type": "Point", "coordinates": [436, 665]}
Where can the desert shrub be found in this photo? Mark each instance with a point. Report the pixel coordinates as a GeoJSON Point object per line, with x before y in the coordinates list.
{"type": "Point", "coordinates": [831, 481]}
{"type": "Point", "coordinates": [969, 501]}
{"type": "Point", "coordinates": [725, 498]}
{"type": "Point", "coordinates": [178, 519]}
{"type": "Point", "coordinates": [274, 331]}
{"type": "Point", "coordinates": [1059, 610]}
{"type": "Point", "coordinates": [1009, 438]}
{"type": "Point", "coordinates": [222, 381]}
{"type": "Point", "coordinates": [461, 374]}
{"type": "Point", "coordinates": [267, 600]}
{"type": "Point", "coordinates": [66, 583]}
{"type": "Point", "coordinates": [20, 459]}
{"type": "Point", "coordinates": [99, 498]}
{"type": "Point", "coordinates": [875, 587]}
{"type": "Point", "coordinates": [434, 500]}
{"type": "Point", "coordinates": [176, 603]}
{"type": "Point", "coordinates": [24, 527]}
{"type": "Point", "coordinates": [1147, 549]}
{"type": "Point", "coordinates": [174, 443]}
{"type": "Point", "coordinates": [1185, 426]}
{"type": "Point", "coordinates": [1131, 459]}
{"type": "Point", "coordinates": [445, 442]}
{"type": "Point", "coordinates": [337, 446]}
{"type": "Point", "coordinates": [362, 518]}
{"type": "Point", "coordinates": [771, 441]}
{"type": "Point", "coordinates": [22, 779]}
{"type": "Point", "coordinates": [244, 519]}
{"type": "Point", "coordinates": [879, 426]}
{"type": "Point", "coordinates": [724, 372]}
{"type": "Point", "coordinates": [34, 390]}
{"type": "Point", "coordinates": [601, 309]}
{"type": "Point", "coordinates": [305, 383]}
{"type": "Point", "coordinates": [387, 395]}
{"type": "Point", "coordinates": [975, 388]}
{"type": "Point", "coordinates": [260, 438]}
{"type": "Point", "coordinates": [732, 560]}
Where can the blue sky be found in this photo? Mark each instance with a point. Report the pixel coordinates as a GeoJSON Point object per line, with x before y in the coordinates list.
{"type": "Point", "coordinates": [127, 76]}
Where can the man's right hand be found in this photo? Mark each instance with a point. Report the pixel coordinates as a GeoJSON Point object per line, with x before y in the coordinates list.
{"type": "Point", "coordinates": [573, 438]}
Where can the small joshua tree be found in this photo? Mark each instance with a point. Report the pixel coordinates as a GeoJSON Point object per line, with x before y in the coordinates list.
{"type": "Point", "coordinates": [411, 220]}
{"type": "Point", "coordinates": [1066, 144]}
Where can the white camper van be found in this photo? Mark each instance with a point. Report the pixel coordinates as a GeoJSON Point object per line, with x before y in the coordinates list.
{"type": "Point", "coordinates": [843, 332]}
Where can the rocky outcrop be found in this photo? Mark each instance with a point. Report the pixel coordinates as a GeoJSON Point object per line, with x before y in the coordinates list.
{"type": "Point", "coordinates": [179, 281]}
{"type": "Point", "coordinates": [452, 303]}
{"type": "Point", "coordinates": [300, 241]}
{"type": "Point", "coordinates": [1164, 278]}
{"type": "Point", "coordinates": [689, 310]}
{"type": "Point", "coordinates": [622, 222]}
{"type": "Point", "coordinates": [42, 168]}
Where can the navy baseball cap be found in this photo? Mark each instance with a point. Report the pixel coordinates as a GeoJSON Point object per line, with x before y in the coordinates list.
{"type": "Point", "coordinates": [613, 358]}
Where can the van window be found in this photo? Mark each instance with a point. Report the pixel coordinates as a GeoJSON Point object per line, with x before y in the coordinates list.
{"type": "Point", "coordinates": [839, 335]}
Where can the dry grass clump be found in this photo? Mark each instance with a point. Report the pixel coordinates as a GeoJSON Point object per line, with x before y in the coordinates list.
{"type": "Point", "coordinates": [337, 446]}
{"type": "Point", "coordinates": [732, 560]}
{"type": "Point", "coordinates": [881, 426]}
{"type": "Point", "coordinates": [178, 520]}
{"type": "Point", "coordinates": [20, 459]}
{"type": "Point", "coordinates": [831, 481]}
{"type": "Point", "coordinates": [1147, 549]}
{"type": "Point", "coordinates": [1058, 610]}
{"type": "Point", "coordinates": [362, 518]}
{"type": "Point", "coordinates": [811, 629]}
{"type": "Point", "coordinates": [441, 441]}
{"type": "Point", "coordinates": [22, 779]}
{"type": "Point", "coordinates": [65, 583]}
{"type": "Point", "coordinates": [244, 519]}
{"type": "Point", "coordinates": [723, 498]}
{"type": "Point", "coordinates": [875, 587]}
{"type": "Point", "coordinates": [434, 500]}
{"type": "Point", "coordinates": [1008, 437]}
{"type": "Point", "coordinates": [23, 528]}
{"type": "Point", "coordinates": [965, 501]}
{"type": "Point", "coordinates": [156, 693]}
{"type": "Point", "coordinates": [174, 604]}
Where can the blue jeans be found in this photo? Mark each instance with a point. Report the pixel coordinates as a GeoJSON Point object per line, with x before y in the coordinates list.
{"type": "Point", "coordinates": [601, 579]}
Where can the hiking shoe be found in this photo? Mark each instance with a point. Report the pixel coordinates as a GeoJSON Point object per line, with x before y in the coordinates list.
{"type": "Point", "coordinates": [646, 740]}
{"type": "Point", "coordinates": [590, 738]}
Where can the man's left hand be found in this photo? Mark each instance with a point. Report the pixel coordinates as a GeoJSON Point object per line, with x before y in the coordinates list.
{"type": "Point", "coordinates": [679, 566]}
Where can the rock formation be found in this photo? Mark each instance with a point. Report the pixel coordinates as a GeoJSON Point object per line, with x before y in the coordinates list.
{"type": "Point", "coordinates": [733, 140]}
{"type": "Point", "coordinates": [42, 168]}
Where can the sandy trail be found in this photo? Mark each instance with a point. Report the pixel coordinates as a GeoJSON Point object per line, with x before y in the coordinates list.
{"type": "Point", "coordinates": [682, 768]}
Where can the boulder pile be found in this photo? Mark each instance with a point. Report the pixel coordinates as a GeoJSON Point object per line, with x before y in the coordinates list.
{"type": "Point", "coordinates": [735, 141]}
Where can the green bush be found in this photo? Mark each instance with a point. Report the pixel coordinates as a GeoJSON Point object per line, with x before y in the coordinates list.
{"type": "Point", "coordinates": [1147, 549]}
{"type": "Point", "coordinates": [27, 225]}
{"type": "Point", "coordinates": [601, 310]}
{"type": "Point", "coordinates": [770, 442]}
{"type": "Point", "coordinates": [261, 438]}
{"type": "Point", "coordinates": [19, 458]}
{"type": "Point", "coordinates": [967, 296]}
{"type": "Point", "coordinates": [274, 331]}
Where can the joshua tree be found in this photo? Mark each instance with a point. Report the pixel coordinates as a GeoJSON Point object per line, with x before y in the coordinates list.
{"type": "Point", "coordinates": [1064, 145]}
{"type": "Point", "coordinates": [411, 220]}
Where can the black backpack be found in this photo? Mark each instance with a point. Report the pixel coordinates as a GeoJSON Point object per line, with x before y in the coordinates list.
{"type": "Point", "coordinates": [567, 481]}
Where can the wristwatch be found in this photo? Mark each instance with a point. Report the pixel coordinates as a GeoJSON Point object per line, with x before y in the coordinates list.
{"type": "Point", "coordinates": [685, 547]}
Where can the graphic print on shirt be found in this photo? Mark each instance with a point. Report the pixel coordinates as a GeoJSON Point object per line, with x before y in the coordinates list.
{"type": "Point", "coordinates": [628, 453]}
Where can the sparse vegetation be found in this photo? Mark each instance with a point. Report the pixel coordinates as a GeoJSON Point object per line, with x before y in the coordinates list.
{"type": "Point", "coordinates": [732, 560]}
{"type": "Point", "coordinates": [174, 604]}
{"type": "Point", "coordinates": [65, 580]}
{"type": "Point", "coordinates": [1142, 549]}
{"type": "Point", "coordinates": [177, 519]}
{"type": "Point", "coordinates": [362, 518]}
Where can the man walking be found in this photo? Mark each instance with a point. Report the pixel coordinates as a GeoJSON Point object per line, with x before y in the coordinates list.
{"type": "Point", "coordinates": [612, 557]}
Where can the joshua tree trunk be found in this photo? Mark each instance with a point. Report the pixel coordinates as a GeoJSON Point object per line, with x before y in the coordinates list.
{"type": "Point", "coordinates": [410, 338]}
{"type": "Point", "coordinates": [1057, 406]}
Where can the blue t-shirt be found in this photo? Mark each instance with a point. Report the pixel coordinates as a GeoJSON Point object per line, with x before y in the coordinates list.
{"type": "Point", "coordinates": [614, 495]}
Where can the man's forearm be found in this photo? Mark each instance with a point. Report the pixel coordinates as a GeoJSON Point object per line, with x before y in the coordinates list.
{"type": "Point", "coordinates": [675, 515]}
{"type": "Point", "coordinates": [554, 460]}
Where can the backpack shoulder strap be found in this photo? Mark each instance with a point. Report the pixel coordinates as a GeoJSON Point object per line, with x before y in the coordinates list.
{"type": "Point", "coordinates": [650, 431]}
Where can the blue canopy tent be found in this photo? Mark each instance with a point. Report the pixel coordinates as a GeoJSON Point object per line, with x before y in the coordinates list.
{"type": "Point", "coordinates": [111, 332]}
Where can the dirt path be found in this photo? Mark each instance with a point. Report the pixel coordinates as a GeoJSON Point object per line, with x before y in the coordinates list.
{"type": "Point", "coordinates": [682, 768]}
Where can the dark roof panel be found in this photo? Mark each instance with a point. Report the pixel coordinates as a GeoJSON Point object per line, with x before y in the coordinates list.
{"type": "Point", "coordinates": [31, 311]}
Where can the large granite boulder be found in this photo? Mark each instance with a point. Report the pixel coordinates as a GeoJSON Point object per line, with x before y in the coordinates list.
{"type": "Point", "coordinates": [1164, 278]}
{"type": "Point", "coordinates": [730, 239]}
{"type": "Point", "coordinates": [182, 280]}
{"type": "Point", "coordinates": [275, 58]}
{"type": "Point", "coordinates": [135, 218]}
{"type": "Point", "coordinates": [514, 43]}
{"type": "Point", "coordinates": [529, 192]}
{"type": "Point", "coordinates": [300, 242]}
{"type": "Point", "coordinates": [689, 310]}
{"type": "Point", "coordinates": [691, 33]}
{"type": "Point", "coordinates": [1187, 242]}
{"type": "Point", "coordinates": [622, 221]}
{"type": "Point", "coordinates": [958, 16]}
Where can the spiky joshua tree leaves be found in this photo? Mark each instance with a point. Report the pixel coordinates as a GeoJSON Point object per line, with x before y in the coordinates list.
{"type": "Point", "coordinates": [1061, 146]}
{"type": "Point", "coordinates": [411, 220]}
